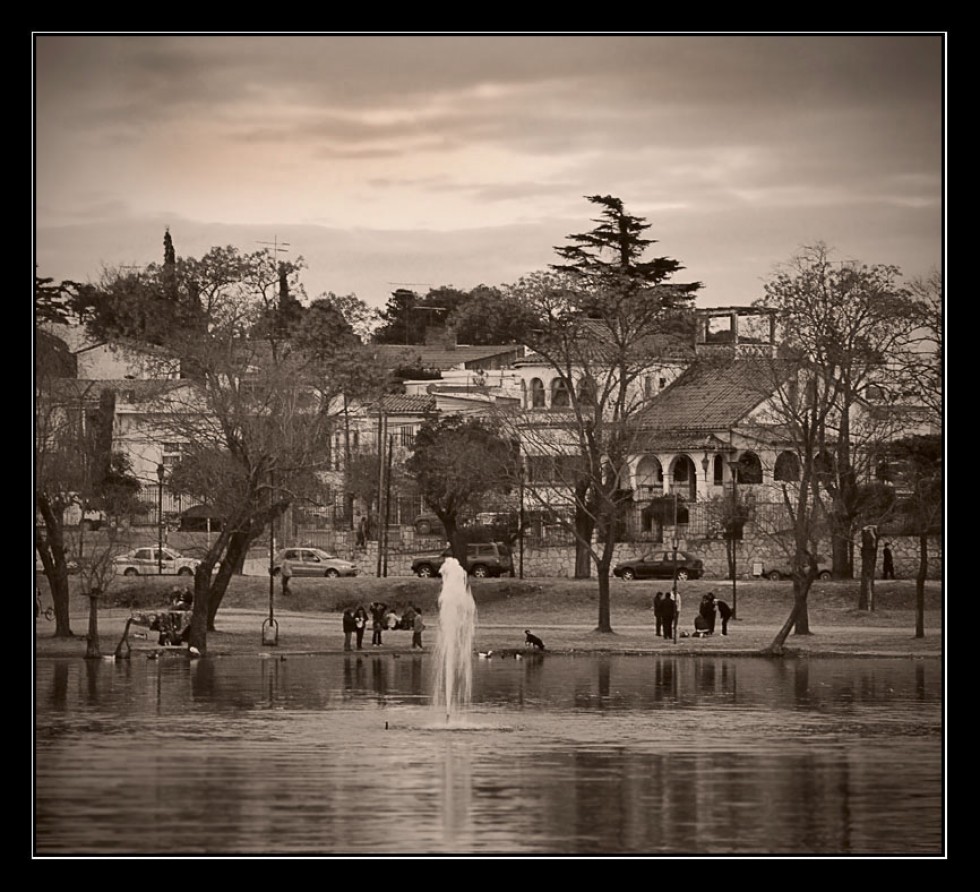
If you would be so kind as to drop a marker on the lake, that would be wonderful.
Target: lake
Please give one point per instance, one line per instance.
(558, 755)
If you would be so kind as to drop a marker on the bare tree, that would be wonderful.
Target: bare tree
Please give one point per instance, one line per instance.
(849, 320)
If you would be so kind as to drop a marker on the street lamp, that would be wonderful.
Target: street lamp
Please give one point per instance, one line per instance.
(160, 472)
(270, 628)
(733, 527)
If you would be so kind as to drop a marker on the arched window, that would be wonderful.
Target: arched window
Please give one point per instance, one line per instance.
(537, 393)
(787, 468)
(559, 395)
(649, 477)
(586, 391)
(719, 472)
(749, 468)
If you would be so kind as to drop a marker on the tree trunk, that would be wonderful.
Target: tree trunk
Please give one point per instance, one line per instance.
(584, 528)
(92, 650)
(52, 553)
(238, 545)
(801, 623)
(801, 589)
(602, 572)
(869, 560)
(920, 588)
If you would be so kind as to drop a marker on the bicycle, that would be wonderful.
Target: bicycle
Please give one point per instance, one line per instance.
(46, 612)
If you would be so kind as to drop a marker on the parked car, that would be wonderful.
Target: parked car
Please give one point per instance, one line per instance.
(313, 562)
(429, 525)
(484, 559)
(776, 572)
(660, 565)
(149, 561)
(39, 567)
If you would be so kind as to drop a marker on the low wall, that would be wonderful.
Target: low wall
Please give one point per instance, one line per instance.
(753, 558)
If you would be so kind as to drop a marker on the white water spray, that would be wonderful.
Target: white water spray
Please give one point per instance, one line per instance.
(453, 682)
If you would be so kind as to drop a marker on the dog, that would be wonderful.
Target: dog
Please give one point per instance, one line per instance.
(532, 641)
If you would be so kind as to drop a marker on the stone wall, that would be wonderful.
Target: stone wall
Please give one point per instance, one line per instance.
(753, 557)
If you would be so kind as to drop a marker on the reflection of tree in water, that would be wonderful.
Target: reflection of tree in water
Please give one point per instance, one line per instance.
(203, 681)
(379, 678)
(59, 685)
(706, 676)
(801, 683)
(603, 673)
(417, 676)
(92, 669)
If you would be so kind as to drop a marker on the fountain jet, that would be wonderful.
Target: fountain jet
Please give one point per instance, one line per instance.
(453, 681)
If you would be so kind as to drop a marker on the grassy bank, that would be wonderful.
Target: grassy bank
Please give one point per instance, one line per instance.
(563, 610)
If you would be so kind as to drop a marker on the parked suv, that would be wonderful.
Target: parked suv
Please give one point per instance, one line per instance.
(484, 559)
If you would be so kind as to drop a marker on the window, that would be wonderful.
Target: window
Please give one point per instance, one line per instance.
(144, 554)
(171, 454)
(559, 394)
(787, 468)
(537, 393)
(407, 436)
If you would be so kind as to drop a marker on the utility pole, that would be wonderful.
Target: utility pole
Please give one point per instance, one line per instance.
(391, 449)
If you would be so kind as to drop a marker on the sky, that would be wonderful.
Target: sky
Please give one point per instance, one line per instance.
(388, 161)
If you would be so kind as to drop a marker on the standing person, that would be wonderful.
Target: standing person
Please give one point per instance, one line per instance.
(378, 612)
(286, 573)
(887, 562)
(360, 624)
(658, 612)
(417, 628)
(668, 610)
(708, 612)
(725, 612)
(349, 627)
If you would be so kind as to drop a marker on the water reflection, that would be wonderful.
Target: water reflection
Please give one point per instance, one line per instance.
(558, 755)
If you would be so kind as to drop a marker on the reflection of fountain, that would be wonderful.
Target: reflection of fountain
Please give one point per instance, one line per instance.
(454, 646)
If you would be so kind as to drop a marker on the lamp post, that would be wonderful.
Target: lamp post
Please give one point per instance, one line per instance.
(160, 472)
(733, 466)
(270, 628)
(677, 603)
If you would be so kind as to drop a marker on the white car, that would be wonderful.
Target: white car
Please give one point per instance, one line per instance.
(150, 561)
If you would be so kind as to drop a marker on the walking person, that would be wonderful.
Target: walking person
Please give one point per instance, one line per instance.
(378, 612)
(286, 573)
(417, 628)
(887, 562)
(658, 612)
(360, 624)
(668, 609)
(349, 627)
(725, 612)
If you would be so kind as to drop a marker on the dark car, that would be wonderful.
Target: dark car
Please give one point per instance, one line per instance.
(775, 572)
(484, 559)
(660, 565)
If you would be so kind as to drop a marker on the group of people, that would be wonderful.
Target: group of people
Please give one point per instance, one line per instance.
(667, 609)
(381, 618)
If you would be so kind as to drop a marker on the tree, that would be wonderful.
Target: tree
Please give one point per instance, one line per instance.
(596, 323)
(921, 509)
(255, 417)
(849, 320)
(457, 462)
(921, 360)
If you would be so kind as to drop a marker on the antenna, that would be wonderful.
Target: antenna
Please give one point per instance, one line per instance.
(427, 284)
(278, 247)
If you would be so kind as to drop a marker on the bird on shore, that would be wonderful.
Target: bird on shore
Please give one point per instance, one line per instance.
(485, 654)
